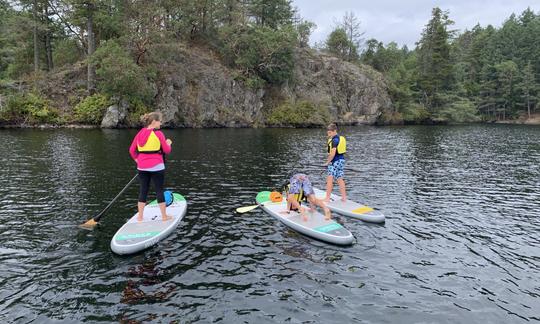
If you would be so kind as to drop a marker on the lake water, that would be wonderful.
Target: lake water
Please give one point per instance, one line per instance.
(461, 242)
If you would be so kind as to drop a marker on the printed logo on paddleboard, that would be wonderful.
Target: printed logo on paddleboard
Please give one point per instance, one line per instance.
(328, 228)
(136, 235)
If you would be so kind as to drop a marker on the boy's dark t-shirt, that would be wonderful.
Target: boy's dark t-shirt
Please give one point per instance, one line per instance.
(335, 142)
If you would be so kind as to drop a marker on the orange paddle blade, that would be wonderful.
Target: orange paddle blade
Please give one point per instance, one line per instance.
(89, 225)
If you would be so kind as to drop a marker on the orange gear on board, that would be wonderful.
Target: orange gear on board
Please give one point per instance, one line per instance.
(276, 196)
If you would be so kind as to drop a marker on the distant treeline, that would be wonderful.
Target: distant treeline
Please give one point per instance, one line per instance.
(485, 73)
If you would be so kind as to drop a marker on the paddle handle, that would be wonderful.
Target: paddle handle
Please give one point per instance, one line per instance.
(98, 216)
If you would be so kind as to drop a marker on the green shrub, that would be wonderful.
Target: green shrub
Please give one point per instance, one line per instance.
(136, 109)
(390, 118)
(459, 111)
(119, 75)
(415, 113)
(260, 51)
(91, 109)
(302, 113)
(29, 108)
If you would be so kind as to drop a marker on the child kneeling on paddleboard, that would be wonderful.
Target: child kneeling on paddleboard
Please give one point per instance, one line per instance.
(148, 149)
(300, 188)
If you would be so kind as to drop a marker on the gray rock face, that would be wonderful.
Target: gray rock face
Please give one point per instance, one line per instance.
(196, 90)
(353, 94)
(115, 115)
(200, 92)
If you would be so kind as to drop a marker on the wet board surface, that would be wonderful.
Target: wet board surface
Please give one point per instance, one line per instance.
(135, 236)
(316, 226)
(351, 208)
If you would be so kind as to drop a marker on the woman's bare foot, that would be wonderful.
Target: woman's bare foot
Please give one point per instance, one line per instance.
(304, 217)
(326, 200)
(140, 218)
(166, 218)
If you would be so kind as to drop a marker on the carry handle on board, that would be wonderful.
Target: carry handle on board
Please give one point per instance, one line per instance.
(92, 222)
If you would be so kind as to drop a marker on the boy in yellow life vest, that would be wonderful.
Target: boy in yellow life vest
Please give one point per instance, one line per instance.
(335, 162)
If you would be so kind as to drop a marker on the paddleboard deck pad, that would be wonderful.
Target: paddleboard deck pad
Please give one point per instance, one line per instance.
(316, 226)
(135, 236)
(351, 208)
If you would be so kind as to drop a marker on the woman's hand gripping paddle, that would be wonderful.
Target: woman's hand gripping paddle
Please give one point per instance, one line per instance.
(92, 222)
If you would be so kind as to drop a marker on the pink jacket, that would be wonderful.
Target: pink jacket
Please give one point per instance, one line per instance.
(146, 161)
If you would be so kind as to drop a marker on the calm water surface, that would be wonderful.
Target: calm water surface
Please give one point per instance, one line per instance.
(461, 243)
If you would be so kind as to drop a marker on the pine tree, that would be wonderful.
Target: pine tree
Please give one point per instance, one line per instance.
(529, 88)
(435, 68)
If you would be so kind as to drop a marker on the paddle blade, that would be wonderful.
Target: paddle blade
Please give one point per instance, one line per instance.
(242, 210)
(89, 224)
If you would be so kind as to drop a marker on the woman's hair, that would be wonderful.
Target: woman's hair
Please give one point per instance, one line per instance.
(148, 118)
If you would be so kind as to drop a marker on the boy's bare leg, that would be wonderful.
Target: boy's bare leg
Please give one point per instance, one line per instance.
(329, 187)
(342, 189)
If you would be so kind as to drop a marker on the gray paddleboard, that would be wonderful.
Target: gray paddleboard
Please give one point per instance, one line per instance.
(136, 236)
(351, 208)
(316, 226)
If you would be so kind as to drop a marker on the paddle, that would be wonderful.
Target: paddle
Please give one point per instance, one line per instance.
(92, 222)
(242, 210)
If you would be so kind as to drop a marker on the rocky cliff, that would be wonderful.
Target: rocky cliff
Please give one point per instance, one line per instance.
(194, 89)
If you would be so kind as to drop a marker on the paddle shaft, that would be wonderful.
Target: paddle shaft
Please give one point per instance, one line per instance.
(98, 216)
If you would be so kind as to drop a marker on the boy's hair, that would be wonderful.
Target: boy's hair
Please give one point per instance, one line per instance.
(332, 127)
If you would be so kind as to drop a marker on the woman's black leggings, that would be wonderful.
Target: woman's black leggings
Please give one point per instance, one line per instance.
(158, 178)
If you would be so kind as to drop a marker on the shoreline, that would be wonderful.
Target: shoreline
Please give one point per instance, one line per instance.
(532, 121)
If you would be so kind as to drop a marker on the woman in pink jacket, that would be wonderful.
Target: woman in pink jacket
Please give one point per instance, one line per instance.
(148, 149)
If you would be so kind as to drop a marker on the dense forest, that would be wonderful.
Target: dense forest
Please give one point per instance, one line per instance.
(485, 73)
(482, 74)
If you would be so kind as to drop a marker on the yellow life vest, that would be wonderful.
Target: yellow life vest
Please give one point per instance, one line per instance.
(299, 197)
(342, 145)
(152, 145)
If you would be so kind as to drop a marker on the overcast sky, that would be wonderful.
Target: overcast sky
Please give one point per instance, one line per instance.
(402, 21)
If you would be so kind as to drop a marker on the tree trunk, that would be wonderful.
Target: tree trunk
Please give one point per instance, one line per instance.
(91, 48)
(529, 107)
(48, 46)
(36, 38)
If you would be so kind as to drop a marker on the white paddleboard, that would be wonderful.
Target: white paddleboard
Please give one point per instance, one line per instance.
(351, 208)
(136, 236)
(316, 226)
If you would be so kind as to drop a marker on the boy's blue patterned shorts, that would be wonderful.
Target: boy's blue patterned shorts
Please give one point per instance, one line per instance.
(335, 169)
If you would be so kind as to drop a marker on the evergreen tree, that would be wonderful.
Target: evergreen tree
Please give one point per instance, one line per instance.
(339, 45)
(529, 88)
(435, 68)
(271, 13)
